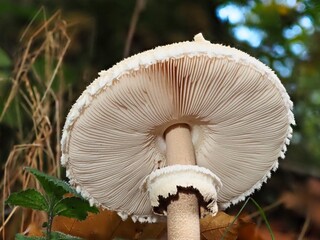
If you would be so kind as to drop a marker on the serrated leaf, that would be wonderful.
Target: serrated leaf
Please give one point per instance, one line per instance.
(74, 207)
(23, 237)
(29, 198)
(53, 236)
(52, 185)
(62, 236)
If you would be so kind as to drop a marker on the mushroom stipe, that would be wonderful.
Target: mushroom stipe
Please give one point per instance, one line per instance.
(209, 111)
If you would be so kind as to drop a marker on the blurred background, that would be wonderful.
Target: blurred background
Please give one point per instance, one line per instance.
(51, 50)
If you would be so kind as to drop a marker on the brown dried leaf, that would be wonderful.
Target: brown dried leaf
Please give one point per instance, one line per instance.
(215, 227)
(278, 234)
(249, 231)
(107, 225)
(294, 200)
(131, 230)
(304, 200)
(33, 230)
(96, 226)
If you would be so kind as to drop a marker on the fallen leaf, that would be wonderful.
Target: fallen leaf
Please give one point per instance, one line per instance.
(279, 235)
(304, 199)
(215, 227)
(108, 225)
(249, 231)
(96, 226)
(33, 230)
(295, 201)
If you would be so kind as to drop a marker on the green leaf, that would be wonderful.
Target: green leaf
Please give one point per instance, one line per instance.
(29, 198)
(4, 59)
(53, 236)
(23, 237)
(52, 185)
(74, 207)
(62, 236)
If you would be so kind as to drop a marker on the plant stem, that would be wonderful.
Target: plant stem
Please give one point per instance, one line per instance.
(50, 219)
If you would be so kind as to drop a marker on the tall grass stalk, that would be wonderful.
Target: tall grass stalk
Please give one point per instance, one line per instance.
(44, 44)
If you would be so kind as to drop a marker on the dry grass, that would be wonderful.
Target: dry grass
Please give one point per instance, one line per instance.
(37, 73)
(44, 43)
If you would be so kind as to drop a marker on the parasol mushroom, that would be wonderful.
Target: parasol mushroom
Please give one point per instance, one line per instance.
(181, 126)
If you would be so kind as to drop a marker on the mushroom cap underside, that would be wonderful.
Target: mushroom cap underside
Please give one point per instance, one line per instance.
(238, 111)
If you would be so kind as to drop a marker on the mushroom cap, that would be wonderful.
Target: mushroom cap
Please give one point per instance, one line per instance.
(238, 111)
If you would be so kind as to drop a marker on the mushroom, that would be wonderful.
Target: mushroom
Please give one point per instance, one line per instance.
(176, 128)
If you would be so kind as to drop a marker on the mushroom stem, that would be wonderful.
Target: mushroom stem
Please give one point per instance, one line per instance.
(182, 214)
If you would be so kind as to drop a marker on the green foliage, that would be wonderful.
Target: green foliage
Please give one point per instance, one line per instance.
(29, 198)
(52, 186)
(23, 237)
(53, 236)
(74, 207)
(289, 34)
(62, 236)
(4, 59)
(53, 202)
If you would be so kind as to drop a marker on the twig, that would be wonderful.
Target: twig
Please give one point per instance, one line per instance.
(50, 40)
(8, 218)
(64, 50)
(305, 227)
(22, 66)
(41, 10)
(134, 20)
